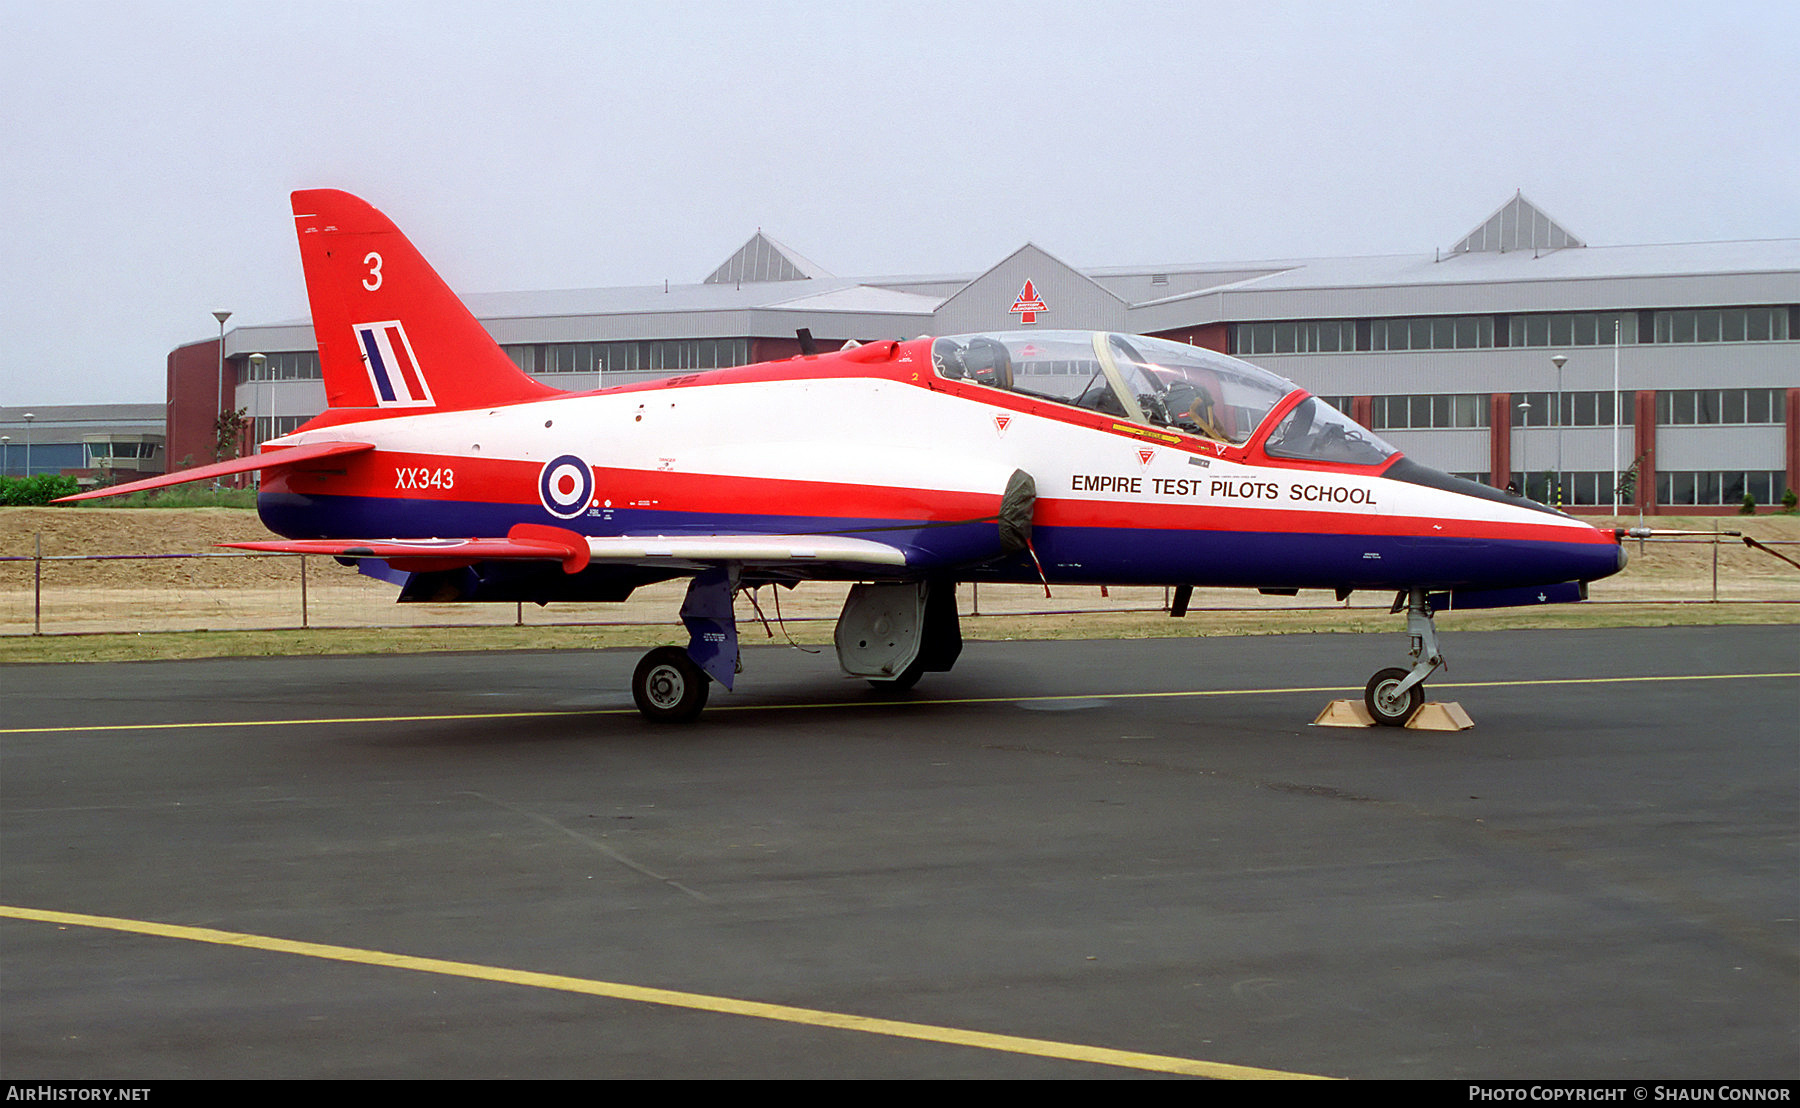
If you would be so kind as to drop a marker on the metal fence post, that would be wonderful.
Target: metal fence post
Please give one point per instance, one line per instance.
(303, 624)
(1715, 553)
(37, 583)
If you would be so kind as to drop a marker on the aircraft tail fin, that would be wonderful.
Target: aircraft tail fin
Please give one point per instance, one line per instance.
(392, 336)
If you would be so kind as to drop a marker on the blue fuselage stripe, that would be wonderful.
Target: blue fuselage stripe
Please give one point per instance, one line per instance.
(1097, 555)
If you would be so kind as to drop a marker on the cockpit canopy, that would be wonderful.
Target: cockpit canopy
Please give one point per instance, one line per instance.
(1161, 384)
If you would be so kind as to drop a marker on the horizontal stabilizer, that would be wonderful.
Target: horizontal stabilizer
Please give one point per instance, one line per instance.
(269, 460)
(525, 542)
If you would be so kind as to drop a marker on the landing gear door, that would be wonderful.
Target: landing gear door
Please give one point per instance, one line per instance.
(881, 630)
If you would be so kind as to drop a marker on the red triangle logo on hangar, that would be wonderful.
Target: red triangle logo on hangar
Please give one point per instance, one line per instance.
(1028, 305)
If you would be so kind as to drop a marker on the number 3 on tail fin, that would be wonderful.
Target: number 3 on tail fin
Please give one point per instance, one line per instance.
(393, 338)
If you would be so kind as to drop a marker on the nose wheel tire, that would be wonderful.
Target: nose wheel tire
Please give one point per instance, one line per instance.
(1390, 707)
(668, 687)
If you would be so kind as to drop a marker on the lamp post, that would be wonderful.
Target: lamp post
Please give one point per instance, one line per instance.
(5, 454)
(219, 393)
(28, 418)
(1525, 447)
(257, 362)
(1559, 360)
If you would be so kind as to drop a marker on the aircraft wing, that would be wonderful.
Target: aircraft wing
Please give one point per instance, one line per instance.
(533, 542)
(271, 460)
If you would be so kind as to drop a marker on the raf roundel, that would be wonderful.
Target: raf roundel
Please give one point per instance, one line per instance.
(565, 486)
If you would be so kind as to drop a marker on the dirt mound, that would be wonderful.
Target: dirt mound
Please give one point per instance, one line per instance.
(71, 532)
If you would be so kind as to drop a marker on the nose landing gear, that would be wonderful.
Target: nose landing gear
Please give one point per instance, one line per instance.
(1393, 695)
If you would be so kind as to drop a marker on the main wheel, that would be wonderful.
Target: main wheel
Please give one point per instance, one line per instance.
(1390, 708)
(668, 687)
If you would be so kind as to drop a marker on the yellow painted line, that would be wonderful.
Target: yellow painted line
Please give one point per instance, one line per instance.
(700, 1002)
(294, 722)
(909, 703)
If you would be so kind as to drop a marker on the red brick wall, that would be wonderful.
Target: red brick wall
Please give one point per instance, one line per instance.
(1500, 439)
(1212, 336)
(193, 392)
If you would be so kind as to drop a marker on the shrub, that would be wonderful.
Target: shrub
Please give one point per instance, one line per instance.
(42, 488)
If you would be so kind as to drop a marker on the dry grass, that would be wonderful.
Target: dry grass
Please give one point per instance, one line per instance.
(249, 605)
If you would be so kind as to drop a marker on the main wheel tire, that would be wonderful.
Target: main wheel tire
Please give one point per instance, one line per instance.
(1388, 709)
(668, 687)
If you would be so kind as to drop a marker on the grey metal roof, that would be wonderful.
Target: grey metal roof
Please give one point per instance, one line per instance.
(764, 259)
(1518, 224)
(62, 415)
(765, 289)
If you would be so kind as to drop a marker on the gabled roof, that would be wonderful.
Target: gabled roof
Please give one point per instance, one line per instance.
(1517, 225)
(763, 259)
(992, 300)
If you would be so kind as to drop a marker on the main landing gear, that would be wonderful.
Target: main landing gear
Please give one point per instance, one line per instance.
(889, 634)
(668, 687)
(1393, 695)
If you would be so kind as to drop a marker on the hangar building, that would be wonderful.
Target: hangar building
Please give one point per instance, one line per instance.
(1448, 355)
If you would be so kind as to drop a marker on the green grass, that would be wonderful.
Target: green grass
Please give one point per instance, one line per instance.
(181, 496)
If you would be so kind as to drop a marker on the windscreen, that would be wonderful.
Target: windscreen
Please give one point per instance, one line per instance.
(1315, 431)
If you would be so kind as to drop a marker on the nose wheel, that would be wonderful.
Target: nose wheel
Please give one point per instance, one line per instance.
(1393, 695)
(1388, 702)
(668, 687)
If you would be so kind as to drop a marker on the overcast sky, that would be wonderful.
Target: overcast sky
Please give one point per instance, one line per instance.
(147, 149)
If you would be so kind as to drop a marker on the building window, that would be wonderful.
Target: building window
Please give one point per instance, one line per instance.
(1464, 332)
(1319, 336)
(267, 427)
(1579, 409)
(293, 365)
(1571, 329)
(1764, 324)
(629, 357)
(1719, 488)
(1690, 407)
(1428, 412)
(1581, 488)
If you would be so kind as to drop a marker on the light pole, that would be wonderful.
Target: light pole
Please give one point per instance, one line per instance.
(219, 393)
(1559, 360)
(28, 418)
(257, 362)
(1525, 448)
(5, 454)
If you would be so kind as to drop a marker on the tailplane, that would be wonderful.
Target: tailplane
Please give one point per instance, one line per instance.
(392, 336)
